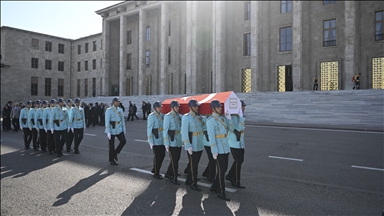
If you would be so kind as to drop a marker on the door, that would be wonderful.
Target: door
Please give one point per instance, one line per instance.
(285, 82)
(329, 77)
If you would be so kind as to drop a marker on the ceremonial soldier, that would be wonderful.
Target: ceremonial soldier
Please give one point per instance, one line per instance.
(32, 124)
(40, 126)
(47, 126)
(59, 121)
(236, 143)
(77, 119)
(210, 170)
(218, 127)
(70, 132)
(115, 127)
(155, 138)
(23, 122)
(172, 140)
(193, 139)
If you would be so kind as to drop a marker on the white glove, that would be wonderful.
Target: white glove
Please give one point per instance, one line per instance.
(52, 130)
(21, 128)
(68, 130)
(125, 131)
(109, 136)
(45, 130)
(73, 131)
(190, 151)
(215, 155)
(85, 127)
(30, 128)
(228, 116)
(167, 148)
(151, 145)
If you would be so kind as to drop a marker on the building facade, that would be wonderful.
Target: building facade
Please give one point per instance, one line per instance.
(186, 47)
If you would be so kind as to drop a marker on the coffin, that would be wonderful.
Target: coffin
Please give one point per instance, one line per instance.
(229, 101)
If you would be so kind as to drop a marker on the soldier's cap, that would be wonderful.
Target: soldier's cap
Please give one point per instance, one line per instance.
(174, 103)
(193, 103)
(243, 103)
(52, 101)
(77, 100)
(215, 104)
(28, 102)
(69, 100)
(60, 100)
(115, 99)
(37, 102)
(156, 104)
(44, 102)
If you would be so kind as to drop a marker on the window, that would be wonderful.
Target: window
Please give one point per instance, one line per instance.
(129, 60)
(285, 6)
(86, 87)
(147, 59)
(86, 47)
(379, 22)
(169, 28)
(35, 43)
(101, 63)
(60, 66)
(86, 65)
(61, 48)
(129, 37)
(78, 66)
(247, 11)
(169, 55)
(329, 2)
(94, 46)
(47, 86)
(48, 64)
(60, 87)
(148, 33)
(78, 88)
(94, 64)
(48, 46)
(34, 85)
(35, 63)
(247, 44)
(285, 39)
(329, 33)
(79, 49)
(101, 44)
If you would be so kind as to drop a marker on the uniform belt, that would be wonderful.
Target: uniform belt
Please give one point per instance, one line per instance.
(61, 120)
(177, 132)
(160, 129)
(197, 133)
(221, 136)
(116, 122)
(78, 119)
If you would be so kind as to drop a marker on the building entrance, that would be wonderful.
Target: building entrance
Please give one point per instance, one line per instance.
(378, 73)
(329, 77)
(285, 82)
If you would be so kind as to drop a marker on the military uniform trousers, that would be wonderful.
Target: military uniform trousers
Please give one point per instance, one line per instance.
(210, 170)
(35, 138)
(79, 134)
(222, 166)
(69, 140)
(112, 151)
(27, 137)
(238, 158)
(43, 140)
(51, 141)
(193, 165)
(159, 154)
(60, 138)
(174, 156)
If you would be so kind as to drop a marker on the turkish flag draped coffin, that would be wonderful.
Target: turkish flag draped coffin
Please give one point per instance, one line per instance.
(229, 101)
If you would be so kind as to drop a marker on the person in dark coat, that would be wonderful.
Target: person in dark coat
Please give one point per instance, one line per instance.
(130, 112)
(6, 117)
(149, 108)
(94, 114)
(135, 111)
(144, 109)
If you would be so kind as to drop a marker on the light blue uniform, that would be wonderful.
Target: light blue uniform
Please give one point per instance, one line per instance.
(46, 116)
(24, 115)
(57, 113)
(68, 109)
(239, 125)
(192, 123)
(218, 127)
(115, 114)
(31, 115)
(206, 142)
(39, 115)
(155, 120)
(172, 121)
(77, 117)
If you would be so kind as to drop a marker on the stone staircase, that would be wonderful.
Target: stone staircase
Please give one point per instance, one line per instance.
(343, 109)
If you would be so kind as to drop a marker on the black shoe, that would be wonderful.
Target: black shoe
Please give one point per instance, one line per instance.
(212, 189)
(205, 175)
(26, 148)
(238, 186)
(198, 179)
(59, 155)
(113, 163)
(223, 197)
(174, 181)
(36, 149)
(187, 182)
(158, 176)
(227, 178)
(77, 152)
(44, 151)
(186, 171)
(51, 152)
(178, 174)
(194, 187)
(168, 176)
(153, 170)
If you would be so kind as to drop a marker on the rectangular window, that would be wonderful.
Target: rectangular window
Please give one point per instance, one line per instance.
(247, 11)
(35, 43)
(169, 28)
(379, 22)
(94, 64)
(35, 63)
(129, 60)
(129, 37)
(60, 87)
(329, 27)
(285, 39)
(329, 2)
(247, 44)
(147, 59)
(78, 88)
(48, 64)
(47, 86)
(48, 46)
(169, 55)
(86, 87)
(285, 6)
(94, 46)
(78, 66)
(148, 33)
(79, 49)
(101, 63)
(61, 66)
(86, 47)
(86, 65)
(34, 85)
(61, 48)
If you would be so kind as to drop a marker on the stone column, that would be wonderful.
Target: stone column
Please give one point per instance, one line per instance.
(122, 52)
(105, 73)
(350, 68)
(254, 45)
(297, 46)
(142, 23)
(163, 48)
(218, 39)
(191, 48)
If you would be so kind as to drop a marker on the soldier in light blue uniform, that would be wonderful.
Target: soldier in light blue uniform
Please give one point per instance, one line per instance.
(218, 127)
(172, 140)
(23, 121)
(115, 127)
(47, 126)
(236, 143)
(193, 139)
(70, 132)
(40, 126)
(59, 121)
(77, 119)
(155, 138)
(210, 170)
(32, 125)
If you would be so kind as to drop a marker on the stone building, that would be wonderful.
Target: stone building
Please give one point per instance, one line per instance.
(192, 47)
